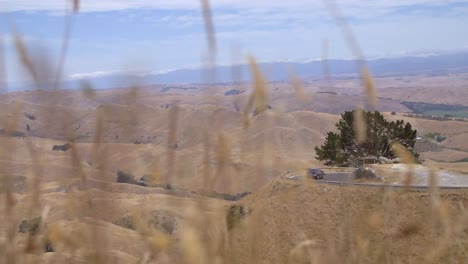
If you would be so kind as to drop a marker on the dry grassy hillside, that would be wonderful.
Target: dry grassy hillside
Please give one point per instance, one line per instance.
(452, 152)
(449, 128)
(203, 144)
(295, 222)
(458, 141)
(448, 89)
(119, 226)
(137, 134)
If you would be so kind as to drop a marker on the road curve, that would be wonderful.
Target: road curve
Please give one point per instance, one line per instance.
(345, 178)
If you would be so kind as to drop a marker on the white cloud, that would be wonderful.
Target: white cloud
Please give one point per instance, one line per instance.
(363, 6)
(89, 75)
(96, 74)
(134, 73)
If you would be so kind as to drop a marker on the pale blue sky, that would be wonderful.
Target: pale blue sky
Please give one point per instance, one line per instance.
(152, 36)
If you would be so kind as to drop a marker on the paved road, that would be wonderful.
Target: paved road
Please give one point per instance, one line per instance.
(345, 178)
(338, 176)
(331, 176)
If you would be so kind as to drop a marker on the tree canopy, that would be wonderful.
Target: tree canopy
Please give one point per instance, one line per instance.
(342, 148)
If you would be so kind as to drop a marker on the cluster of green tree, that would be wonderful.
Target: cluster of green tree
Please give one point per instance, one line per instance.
(421, 108)
(225, 196)
(342, 148)
(125, 177)
(436, 136)
(438, 117)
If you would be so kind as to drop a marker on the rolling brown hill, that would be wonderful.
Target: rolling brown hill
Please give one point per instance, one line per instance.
(201, 143)
(296, 222)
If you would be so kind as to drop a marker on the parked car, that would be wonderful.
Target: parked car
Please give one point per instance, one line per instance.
(316, 174)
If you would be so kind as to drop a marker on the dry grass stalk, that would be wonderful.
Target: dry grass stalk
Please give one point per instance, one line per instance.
(351, 41)
(408, 158)
(171, 144)
(259, 96)
(298, 87)
(359, 126)
(204, 237)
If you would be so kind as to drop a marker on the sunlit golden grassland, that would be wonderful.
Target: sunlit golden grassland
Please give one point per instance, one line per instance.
(66, 207)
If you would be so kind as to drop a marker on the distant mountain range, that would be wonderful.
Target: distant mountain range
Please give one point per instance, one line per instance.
(280, 71)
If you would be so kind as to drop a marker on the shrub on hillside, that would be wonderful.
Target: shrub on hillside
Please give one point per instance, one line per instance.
(14, 133)
(233, 92)
(30, 226)
(47, 245)
(161, 220)
(125, 222)
(63, 147)
(29, 116)
(123, 177)
(234, 215)
(224, 196)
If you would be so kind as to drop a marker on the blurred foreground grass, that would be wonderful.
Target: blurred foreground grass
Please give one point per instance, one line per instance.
(98, 221)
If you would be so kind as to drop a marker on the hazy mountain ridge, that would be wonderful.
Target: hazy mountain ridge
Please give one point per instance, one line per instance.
(274, 72)
(280, 71)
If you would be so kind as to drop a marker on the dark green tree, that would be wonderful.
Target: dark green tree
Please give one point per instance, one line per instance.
(342, 148)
